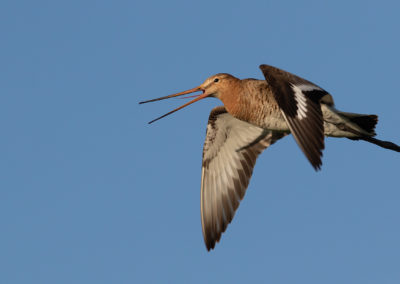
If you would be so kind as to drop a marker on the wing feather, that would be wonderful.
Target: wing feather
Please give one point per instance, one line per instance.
(229, 155)
(300, 103)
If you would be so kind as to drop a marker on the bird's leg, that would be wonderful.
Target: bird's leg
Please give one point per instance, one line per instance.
(384, 144)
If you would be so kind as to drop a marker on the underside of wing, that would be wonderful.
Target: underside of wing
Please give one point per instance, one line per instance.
(300, 102)
(229, 155)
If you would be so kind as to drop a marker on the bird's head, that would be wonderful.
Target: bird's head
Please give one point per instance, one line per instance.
(217, 86)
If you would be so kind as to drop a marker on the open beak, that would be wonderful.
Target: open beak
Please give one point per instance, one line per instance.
(198, 97)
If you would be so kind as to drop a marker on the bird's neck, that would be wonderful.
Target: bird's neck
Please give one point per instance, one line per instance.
(238, 101)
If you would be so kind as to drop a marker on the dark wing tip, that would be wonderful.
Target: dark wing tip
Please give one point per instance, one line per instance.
(310, 138)
(210, 239)
(210, 245)
(317, 164)
(267, 68)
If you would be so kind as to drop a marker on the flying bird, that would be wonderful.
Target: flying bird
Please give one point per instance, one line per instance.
(257, 113)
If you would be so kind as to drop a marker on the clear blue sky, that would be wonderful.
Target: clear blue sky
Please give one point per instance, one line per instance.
(89, 193)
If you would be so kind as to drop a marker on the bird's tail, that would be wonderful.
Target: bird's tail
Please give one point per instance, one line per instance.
(366, 122)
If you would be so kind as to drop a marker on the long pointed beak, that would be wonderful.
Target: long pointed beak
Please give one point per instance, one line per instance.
(174, 95)
(199, 97)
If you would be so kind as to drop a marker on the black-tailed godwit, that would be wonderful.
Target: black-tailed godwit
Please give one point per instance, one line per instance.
(257, 113)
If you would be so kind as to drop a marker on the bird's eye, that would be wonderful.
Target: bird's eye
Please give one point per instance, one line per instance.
(216, 80)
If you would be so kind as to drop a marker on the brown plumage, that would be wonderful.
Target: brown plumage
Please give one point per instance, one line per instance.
(255, 115)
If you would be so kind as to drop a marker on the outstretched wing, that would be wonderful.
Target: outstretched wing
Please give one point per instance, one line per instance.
(229, 155)
(300, 102)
